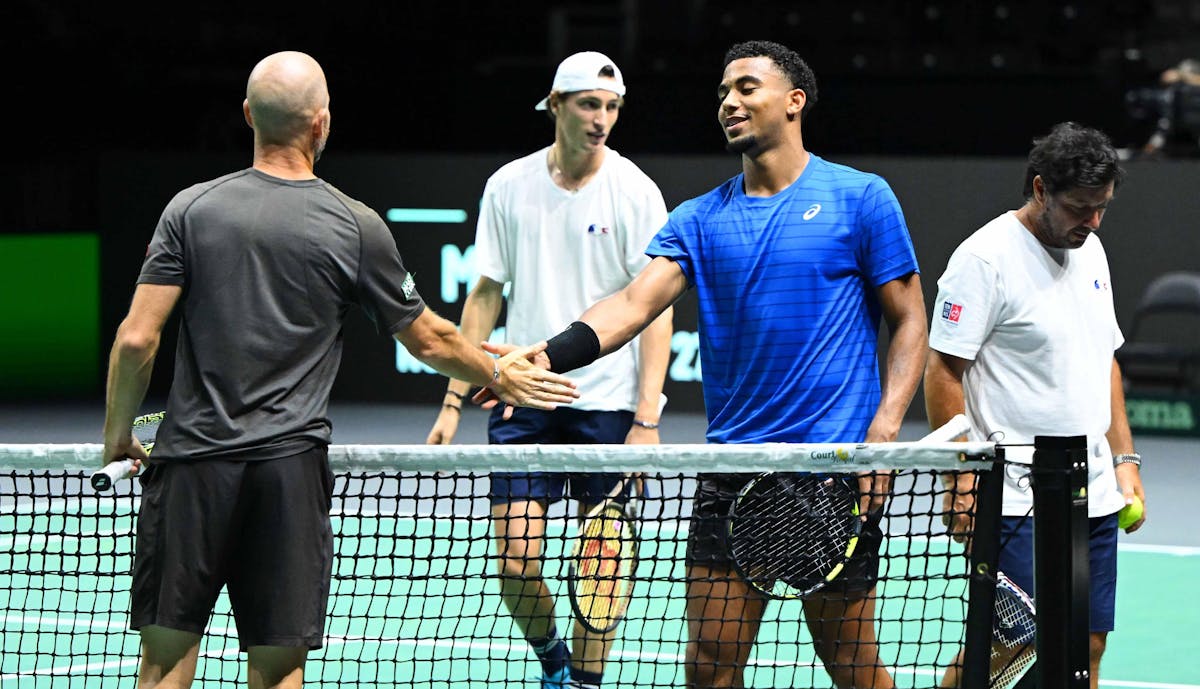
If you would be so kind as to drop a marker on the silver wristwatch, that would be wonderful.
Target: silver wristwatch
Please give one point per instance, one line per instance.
(1128, 458)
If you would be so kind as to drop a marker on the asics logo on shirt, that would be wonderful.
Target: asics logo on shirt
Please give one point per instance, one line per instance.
(812, 211)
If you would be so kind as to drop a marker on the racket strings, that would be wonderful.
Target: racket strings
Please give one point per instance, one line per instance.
(792, 531)
(1012, 670)
(603, 576)
(602, 545)
(1014, 627)
(780, 525)
(145, 429)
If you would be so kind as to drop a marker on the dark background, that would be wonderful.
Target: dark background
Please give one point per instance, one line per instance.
(935, 77)
(1147, 231)
(116, 110)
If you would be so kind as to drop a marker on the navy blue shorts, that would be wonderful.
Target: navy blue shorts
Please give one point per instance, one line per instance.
(556, 427)
(1016, 560)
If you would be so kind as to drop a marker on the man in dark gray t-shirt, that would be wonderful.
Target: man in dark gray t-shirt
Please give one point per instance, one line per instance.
(265, 264)
(276, 263)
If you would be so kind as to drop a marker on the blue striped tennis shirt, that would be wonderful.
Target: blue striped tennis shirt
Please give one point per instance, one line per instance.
(789, 315)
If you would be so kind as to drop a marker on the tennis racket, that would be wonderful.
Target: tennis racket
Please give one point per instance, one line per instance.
(1013, 631)
(791, 534)
(145, 429)
(600, 571)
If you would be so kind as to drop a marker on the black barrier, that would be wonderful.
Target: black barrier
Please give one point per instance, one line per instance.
(985, 551)
(1060, 560)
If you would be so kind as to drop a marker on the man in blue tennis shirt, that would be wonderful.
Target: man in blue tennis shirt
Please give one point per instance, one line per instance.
(793, 261)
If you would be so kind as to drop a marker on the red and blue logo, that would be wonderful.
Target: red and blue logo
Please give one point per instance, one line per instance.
(951, 312)
(597, 229)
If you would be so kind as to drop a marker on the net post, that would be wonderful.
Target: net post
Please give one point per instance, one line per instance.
(981, 597)
(1060, 560)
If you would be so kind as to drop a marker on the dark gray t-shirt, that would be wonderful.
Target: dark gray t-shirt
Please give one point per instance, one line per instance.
(269, 268)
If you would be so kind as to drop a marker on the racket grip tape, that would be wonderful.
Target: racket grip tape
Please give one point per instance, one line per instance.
(112, 472)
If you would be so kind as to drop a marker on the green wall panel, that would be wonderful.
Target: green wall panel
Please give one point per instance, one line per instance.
(49, 314)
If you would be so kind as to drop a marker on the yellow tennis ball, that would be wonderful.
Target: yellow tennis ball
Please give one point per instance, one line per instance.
(1131, 513)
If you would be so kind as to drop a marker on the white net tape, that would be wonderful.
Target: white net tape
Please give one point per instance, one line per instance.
(827, 457)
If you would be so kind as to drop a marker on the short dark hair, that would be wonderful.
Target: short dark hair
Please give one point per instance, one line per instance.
(1072, 156)
(787, 60)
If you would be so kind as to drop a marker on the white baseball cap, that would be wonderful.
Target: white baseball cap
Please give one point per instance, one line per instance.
(581, 72)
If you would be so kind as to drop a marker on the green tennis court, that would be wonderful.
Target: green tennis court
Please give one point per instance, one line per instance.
(413, 605)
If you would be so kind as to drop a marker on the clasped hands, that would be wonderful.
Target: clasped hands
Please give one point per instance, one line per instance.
(525, 380)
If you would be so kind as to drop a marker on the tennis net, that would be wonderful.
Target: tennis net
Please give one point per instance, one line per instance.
(415, 595)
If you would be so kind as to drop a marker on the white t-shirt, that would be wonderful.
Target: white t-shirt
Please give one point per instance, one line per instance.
(563, 251)
(1040, 327)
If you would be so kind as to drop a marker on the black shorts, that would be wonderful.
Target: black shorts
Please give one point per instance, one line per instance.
(261, 528)
(708, 534)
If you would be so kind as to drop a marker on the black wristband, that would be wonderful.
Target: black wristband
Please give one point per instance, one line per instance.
(573, 348)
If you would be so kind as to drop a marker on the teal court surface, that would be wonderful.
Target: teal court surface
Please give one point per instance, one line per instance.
(415, 605)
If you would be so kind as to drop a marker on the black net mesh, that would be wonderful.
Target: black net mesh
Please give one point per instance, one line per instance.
(416, 588)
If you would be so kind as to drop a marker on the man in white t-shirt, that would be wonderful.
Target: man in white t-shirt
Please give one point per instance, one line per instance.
(565, 227)
(1022, 340)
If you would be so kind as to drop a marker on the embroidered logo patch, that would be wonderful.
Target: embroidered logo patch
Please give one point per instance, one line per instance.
(951, 311)
(408, 286)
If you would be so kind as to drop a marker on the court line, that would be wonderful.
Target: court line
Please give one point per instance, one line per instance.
(656, 658)
(338, 639)
(112, 664)
(75, 623)
(59, 622)
(1179, 550)
(454, 644)
(678, 527)
(681, 528)
(69, 669)
(29, 539)
(128, 662)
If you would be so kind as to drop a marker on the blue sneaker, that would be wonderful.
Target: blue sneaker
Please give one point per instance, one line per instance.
(558, 680)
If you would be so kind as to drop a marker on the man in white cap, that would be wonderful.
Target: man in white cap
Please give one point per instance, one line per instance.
(565, 226)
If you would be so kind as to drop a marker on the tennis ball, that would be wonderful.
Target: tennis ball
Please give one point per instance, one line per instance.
(1131, 513)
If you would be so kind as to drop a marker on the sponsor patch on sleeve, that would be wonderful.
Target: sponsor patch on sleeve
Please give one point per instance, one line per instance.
(951, 312)
(408, 286)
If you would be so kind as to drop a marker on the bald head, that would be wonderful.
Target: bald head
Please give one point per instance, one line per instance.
(284, 97)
